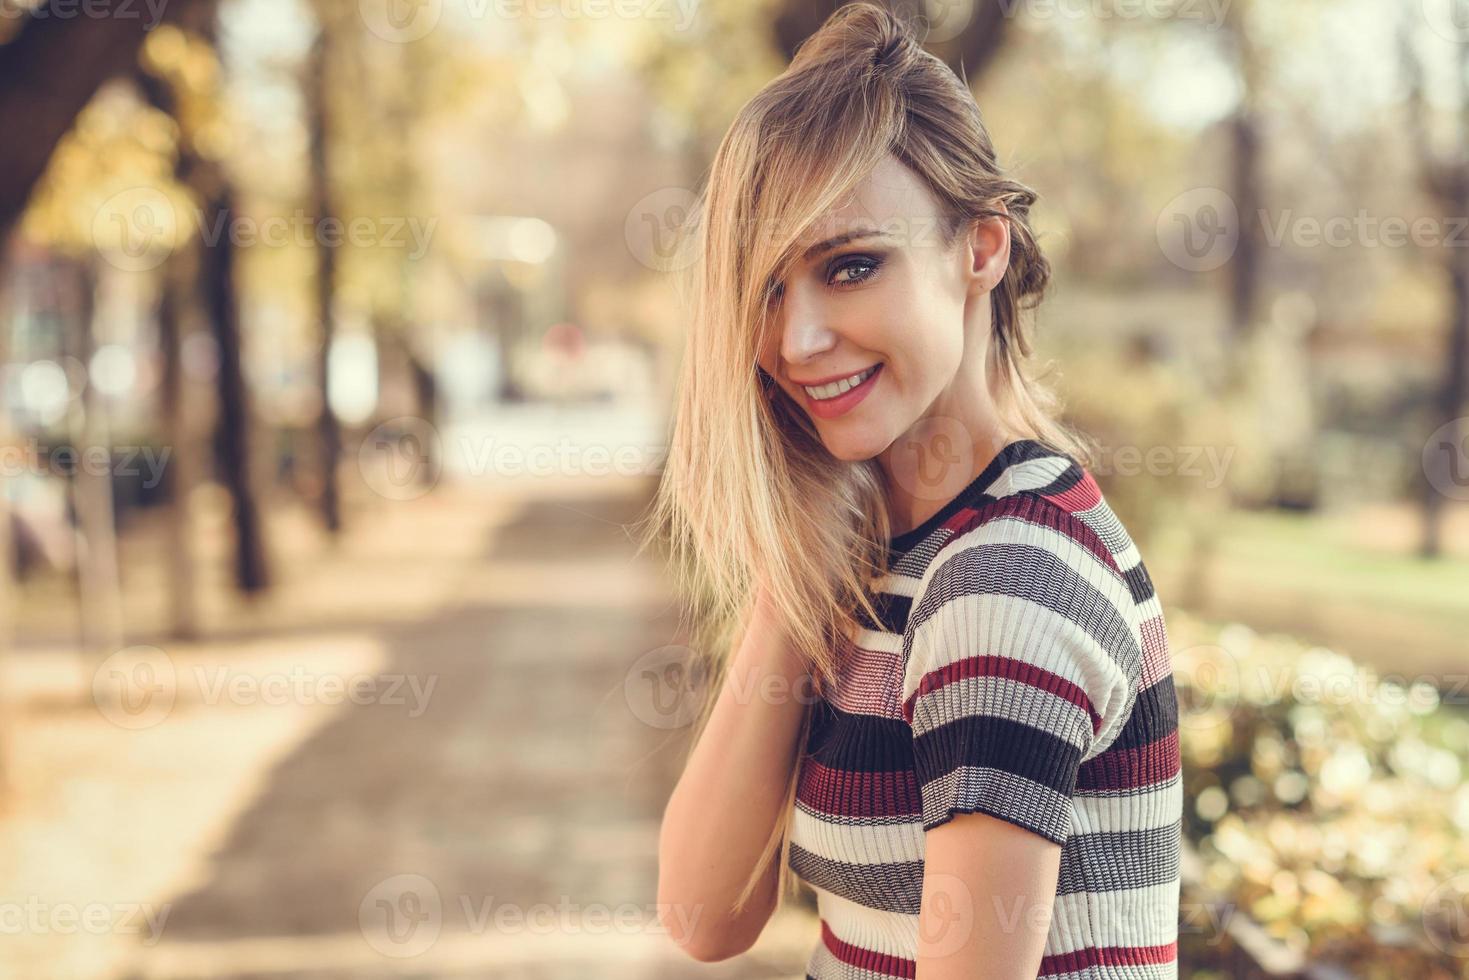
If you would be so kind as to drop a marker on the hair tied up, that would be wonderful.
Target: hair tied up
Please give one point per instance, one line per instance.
(886, 55)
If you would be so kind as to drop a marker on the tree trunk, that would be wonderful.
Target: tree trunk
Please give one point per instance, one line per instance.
(215, 278)
(328, 432)
(1447, 459)
(1446, 179)
(234, 428)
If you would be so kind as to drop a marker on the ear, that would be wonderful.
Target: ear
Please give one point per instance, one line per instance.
(987, 252)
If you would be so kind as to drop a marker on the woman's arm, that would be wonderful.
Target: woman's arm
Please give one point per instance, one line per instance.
(728, 800)
(988, 891)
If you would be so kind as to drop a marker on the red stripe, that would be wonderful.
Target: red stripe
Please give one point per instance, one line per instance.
(1091, 956)
(1057, 963)
(1119, 769)
(988, 665)
(1083, 496)
(866, 959)
(842, 793)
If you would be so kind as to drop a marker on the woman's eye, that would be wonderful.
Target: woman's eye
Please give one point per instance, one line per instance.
(855, 270)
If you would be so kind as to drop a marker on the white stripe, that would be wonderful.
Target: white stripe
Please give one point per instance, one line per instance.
(879, 641)
(1136, 971)
(1103, 520)
(892, 933)
(866, 844)
(896, 583)
(1008, 626)
(1029, 475)
(1144, 809)
(1146, 916)
(1004, 697)
(1015, 530)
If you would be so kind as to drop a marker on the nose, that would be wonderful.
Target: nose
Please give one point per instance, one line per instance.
(804, 333)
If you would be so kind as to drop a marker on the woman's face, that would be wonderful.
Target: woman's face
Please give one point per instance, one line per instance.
(877, 327)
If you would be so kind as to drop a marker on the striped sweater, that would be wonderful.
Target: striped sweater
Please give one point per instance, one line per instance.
(1020, 669)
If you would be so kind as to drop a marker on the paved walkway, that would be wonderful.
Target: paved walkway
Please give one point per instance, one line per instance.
(489, 809)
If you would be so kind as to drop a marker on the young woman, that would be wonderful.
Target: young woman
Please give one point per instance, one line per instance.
(944, 696)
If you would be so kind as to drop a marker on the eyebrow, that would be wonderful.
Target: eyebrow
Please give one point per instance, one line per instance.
(842, 239)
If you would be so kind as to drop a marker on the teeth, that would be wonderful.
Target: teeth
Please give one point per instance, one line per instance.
(823, 392)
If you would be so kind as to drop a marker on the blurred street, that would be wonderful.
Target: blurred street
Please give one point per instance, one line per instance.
(509, 769)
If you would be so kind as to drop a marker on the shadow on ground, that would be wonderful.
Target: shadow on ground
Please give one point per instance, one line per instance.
(525, 780)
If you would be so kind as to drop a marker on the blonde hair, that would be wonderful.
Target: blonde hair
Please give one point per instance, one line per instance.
(748, 494)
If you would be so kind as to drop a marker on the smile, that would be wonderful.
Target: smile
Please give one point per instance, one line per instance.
(824, 392)
(839, 397)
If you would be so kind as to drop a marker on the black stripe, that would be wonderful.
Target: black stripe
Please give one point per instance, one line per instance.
(858, 742)
(1126, 859)
(896, 886)
(1020, 451)
(997, 743)
(1140, 583)
(893, 611)
(1154, 716)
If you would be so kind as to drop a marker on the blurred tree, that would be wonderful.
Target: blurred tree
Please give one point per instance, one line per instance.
(182, 79)
(1244, 127)
(50, 67)
(1445, 176)
(316, 85)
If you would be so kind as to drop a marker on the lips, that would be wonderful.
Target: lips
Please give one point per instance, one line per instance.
(830, 408)
(837, 384)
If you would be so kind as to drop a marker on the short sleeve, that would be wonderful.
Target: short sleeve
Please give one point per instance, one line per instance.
(1022, 656)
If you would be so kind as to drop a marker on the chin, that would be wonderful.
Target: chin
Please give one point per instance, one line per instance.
(855, 448)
